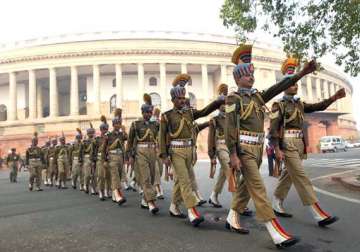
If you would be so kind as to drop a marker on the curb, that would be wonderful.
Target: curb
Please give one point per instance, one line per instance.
(351, 184)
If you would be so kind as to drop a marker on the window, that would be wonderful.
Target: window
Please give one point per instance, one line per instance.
(3, 112)
(114, 83)
(192, 100)
(152, 81)
(156, 99)
(112, 103)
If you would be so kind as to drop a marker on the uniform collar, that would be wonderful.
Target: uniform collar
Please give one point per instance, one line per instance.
(291, 98)
(246, 91)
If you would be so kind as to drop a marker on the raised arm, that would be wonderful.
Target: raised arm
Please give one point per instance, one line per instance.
(208, 109)
(320, 106)
(162, 137)
(284, 84)
(211, 140)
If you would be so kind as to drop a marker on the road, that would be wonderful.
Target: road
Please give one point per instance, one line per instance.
(69, 220)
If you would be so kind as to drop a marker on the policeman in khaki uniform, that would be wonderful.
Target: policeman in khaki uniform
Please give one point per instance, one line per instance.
(217, 148)
(159, 165)
(89, 159)
(287, 136)
(197, 128)
(12, 162)
(244, 136)
(141, 148)
(44, 172)
(115, 149)
(52, 162)
(63, 162)
(176, 147)
(102, 165)
(35, 161)
(76, 157)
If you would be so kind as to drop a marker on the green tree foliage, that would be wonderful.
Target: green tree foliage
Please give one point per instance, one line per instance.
(307, 28)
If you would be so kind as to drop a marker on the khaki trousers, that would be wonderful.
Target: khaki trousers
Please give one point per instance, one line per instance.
(252, 185)
(77, 171)
(294, 174)
(63, 167)
(102, 171)
(145, 162)
(224, 159)
(116, 165)
(158, 171)
(89, 178)
(35, 167)
(52, 169)
(13, 170)
(182, 159)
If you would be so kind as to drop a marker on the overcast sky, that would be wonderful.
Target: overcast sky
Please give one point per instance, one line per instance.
(24, 19)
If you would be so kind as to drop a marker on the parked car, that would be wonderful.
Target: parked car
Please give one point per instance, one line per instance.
(332, 143)
(356, 145)
(349, 145)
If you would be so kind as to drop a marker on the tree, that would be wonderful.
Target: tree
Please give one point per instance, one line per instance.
(306, 28)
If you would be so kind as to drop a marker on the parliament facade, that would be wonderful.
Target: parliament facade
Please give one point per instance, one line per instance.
(56, 84)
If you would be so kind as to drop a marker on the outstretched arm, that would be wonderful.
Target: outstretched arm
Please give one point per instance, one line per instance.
(320, 106)
(287, 82)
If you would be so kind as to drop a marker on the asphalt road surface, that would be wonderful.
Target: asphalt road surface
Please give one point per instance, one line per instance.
(68, 220)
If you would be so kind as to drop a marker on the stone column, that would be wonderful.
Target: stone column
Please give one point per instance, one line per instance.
(183, 68)
(300, 92)
(332, 91)
(119, 85)
(140, 83)
(32, 94)
(163, 91)
(39, 106)
(318, 90)
(12, 109)
(96, 89)
(205, 84)
(223, 74)
(74, 92)
(53, 93)
(309, 89)
(326, 89)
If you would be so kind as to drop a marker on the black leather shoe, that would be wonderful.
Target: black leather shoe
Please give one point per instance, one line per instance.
(39, 189)
(30, 188)
(201, 202)
(102, 199)
(247, 212)
(160, 197)
(196, 222)
(214, 204)
(154, 210)
(74, 187)
(144, 206)
(288, 243)
(328, 221)
(180, 216)
(285, 215)
(122, 201)
(236, 230)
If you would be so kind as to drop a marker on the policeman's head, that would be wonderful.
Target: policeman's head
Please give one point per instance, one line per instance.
(34, 140)
(292, 90)
(13, 150)
(222, 108)
(62, 140)
(54, 141)
(245, 79)
(179, 102)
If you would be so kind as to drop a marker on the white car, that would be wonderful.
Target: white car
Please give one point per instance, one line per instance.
(356, 145)
(349, 145)
(332, 143)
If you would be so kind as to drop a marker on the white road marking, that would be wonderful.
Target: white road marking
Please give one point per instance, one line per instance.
(338, 196)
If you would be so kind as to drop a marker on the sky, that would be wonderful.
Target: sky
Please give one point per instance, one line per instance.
(25, 19)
